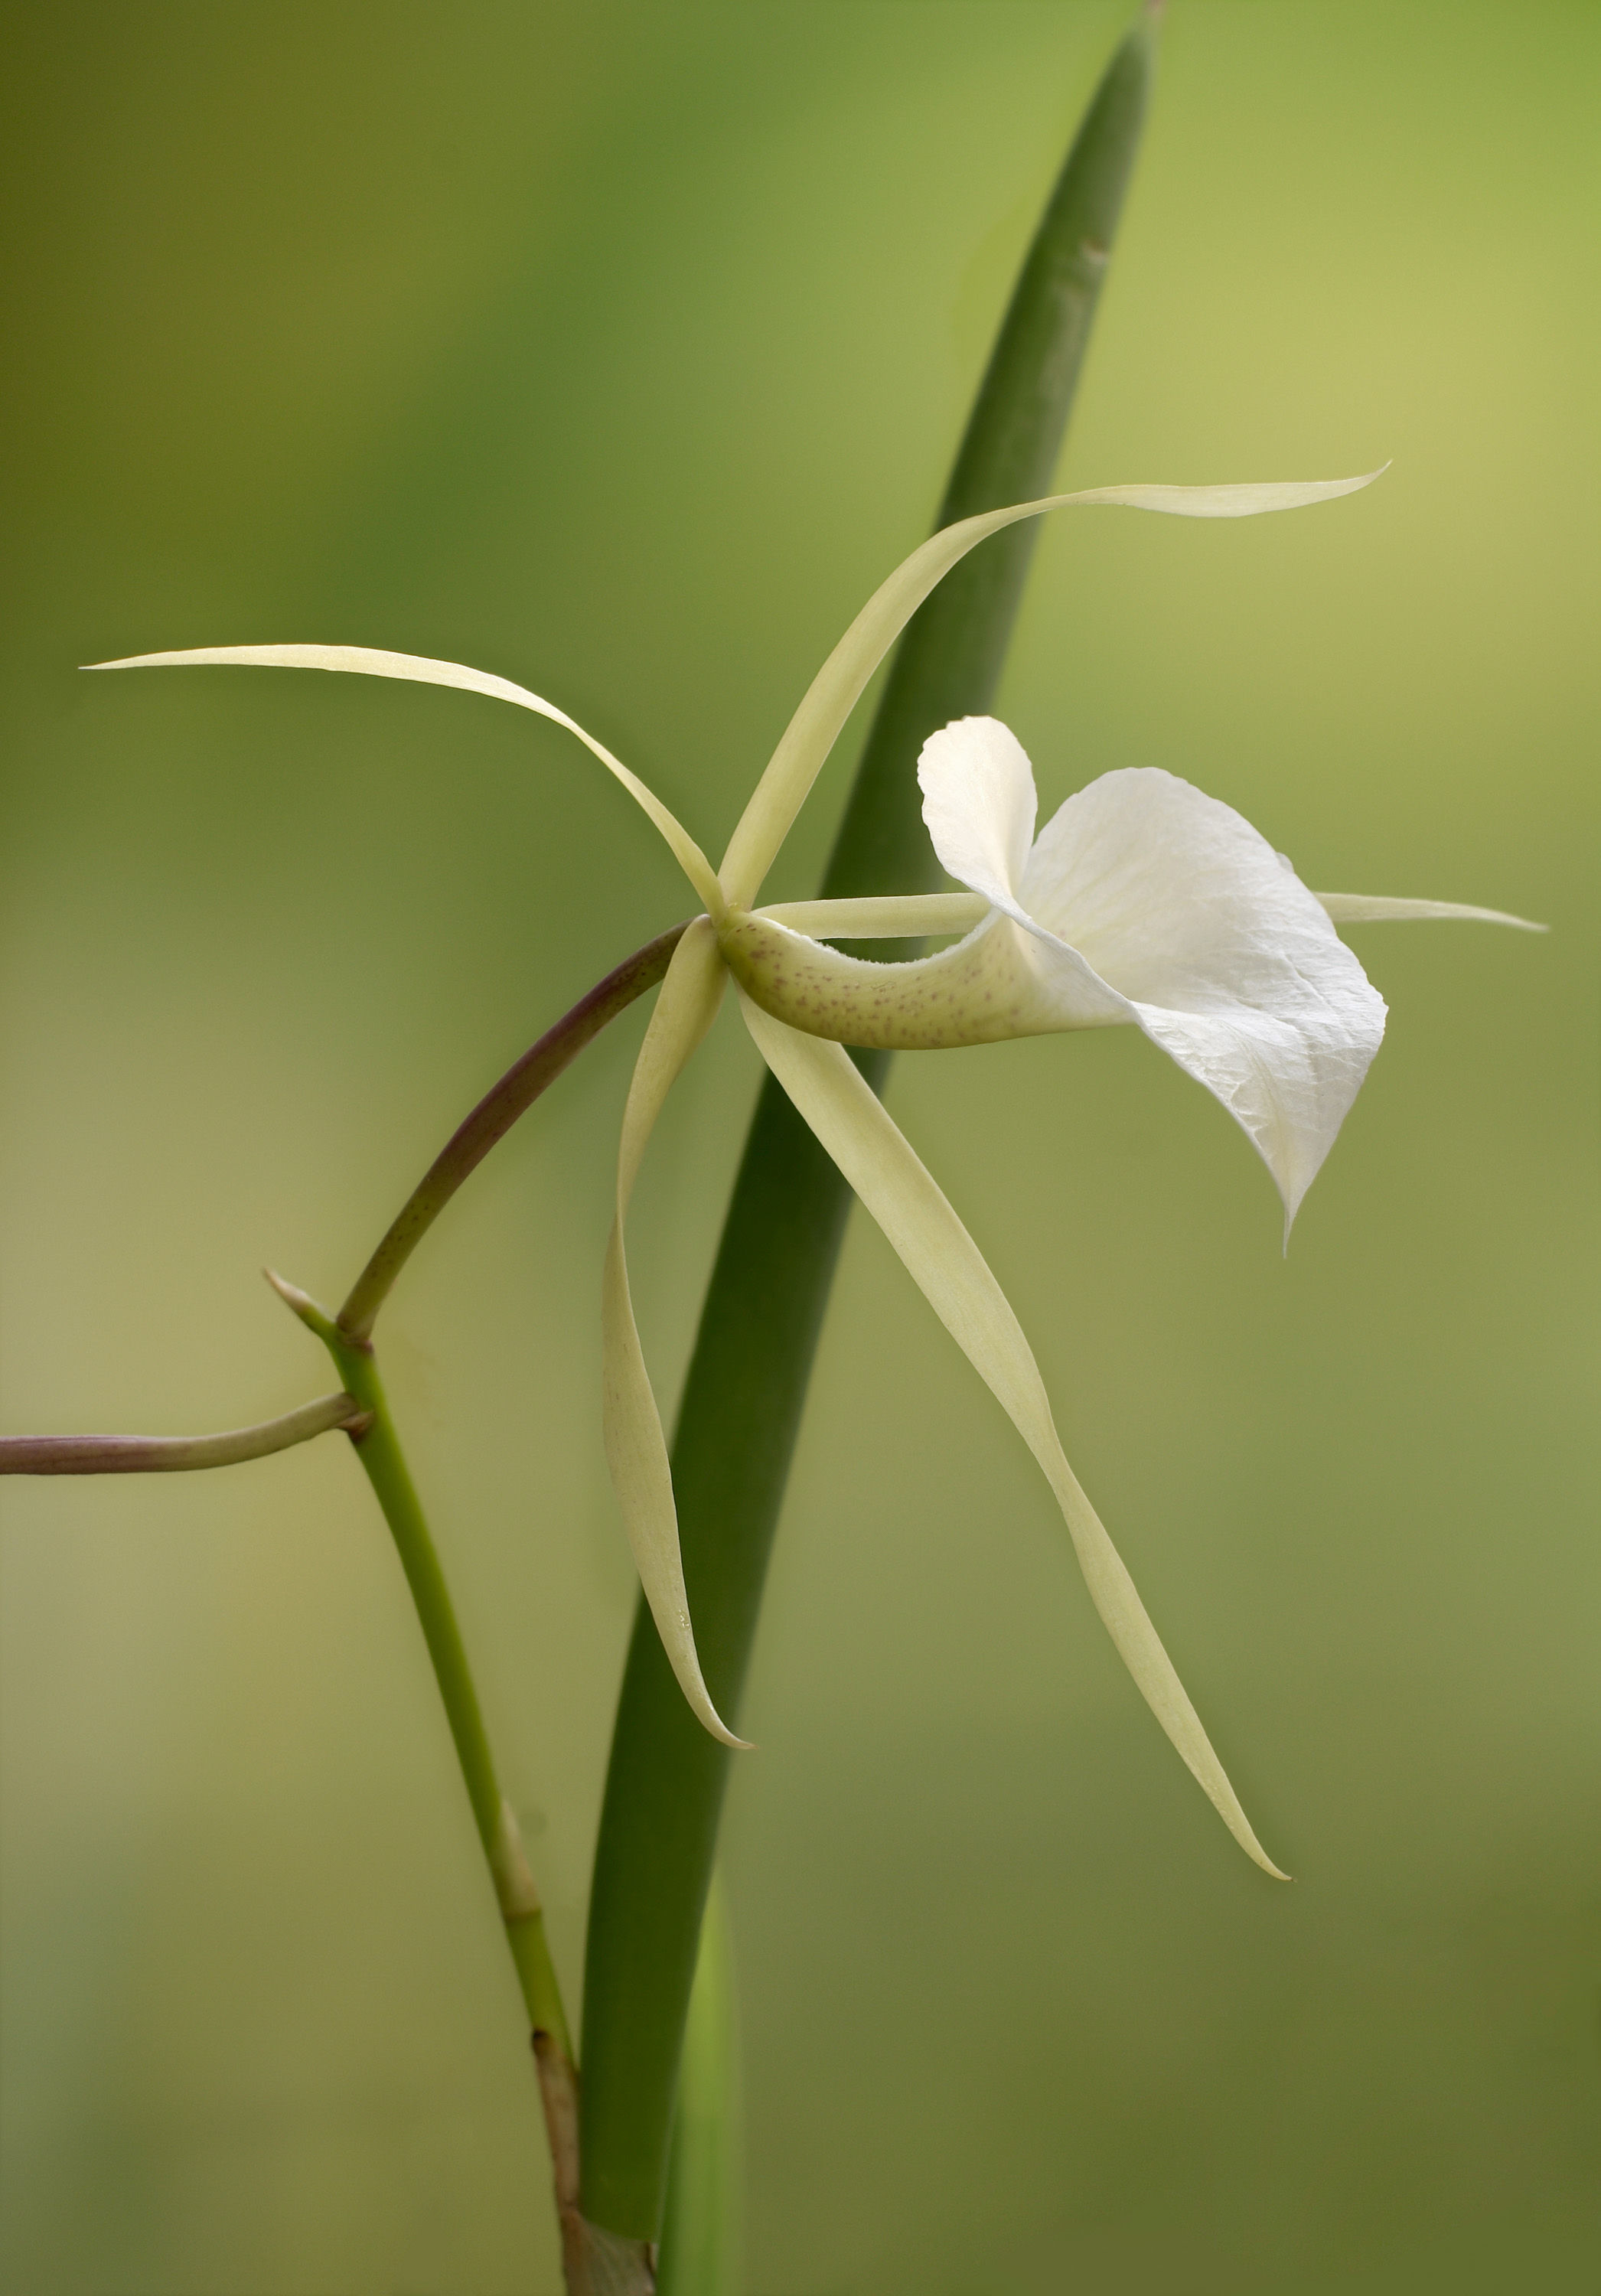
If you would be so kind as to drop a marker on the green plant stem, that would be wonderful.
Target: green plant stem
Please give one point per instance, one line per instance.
(378, 1448)
(764, 1306)
(494, 1117)
(144, 1454)
(593, 2262)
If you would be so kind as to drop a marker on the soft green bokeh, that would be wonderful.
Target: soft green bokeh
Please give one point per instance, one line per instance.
(621, 351)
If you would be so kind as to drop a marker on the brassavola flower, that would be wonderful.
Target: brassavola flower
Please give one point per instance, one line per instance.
(1142, 902)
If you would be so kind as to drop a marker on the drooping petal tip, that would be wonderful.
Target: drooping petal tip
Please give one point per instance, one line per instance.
(631, 1424)
(947, 1267)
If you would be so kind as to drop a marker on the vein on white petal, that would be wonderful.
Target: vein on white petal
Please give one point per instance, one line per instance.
(1378, 908)
(635, 1446)
(420, 669)
(888, 918)
(953, 1277)
(833, 693)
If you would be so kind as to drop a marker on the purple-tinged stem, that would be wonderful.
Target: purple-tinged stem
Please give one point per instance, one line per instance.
(493, 1119)
(135, 1455)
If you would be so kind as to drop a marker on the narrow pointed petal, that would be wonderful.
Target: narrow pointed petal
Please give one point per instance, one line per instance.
(906, 916)
(419, 669)
(833, 693)
(1377, 909)
(1226, 960)
(980, 804)
(953, 1277)
(636, 1447)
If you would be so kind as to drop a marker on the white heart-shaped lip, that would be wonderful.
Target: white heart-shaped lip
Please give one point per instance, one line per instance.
(1172, 902)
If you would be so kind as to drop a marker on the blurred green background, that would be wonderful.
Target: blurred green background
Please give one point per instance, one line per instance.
(623, 350)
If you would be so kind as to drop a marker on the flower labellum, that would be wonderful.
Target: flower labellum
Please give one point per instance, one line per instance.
(1141, 901)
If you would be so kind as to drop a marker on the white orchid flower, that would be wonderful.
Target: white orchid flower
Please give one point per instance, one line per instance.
(1141, 901)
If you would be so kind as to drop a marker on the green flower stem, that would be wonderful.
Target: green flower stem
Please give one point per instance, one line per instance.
(143, 1455)
(493, 1119)
(378, 1448)
(764, 1307)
